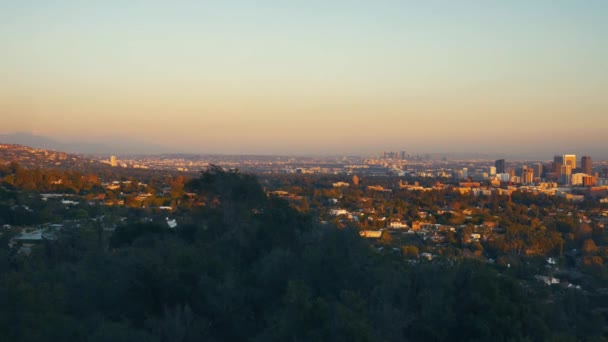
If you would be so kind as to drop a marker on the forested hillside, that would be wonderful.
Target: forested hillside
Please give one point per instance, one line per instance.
(245, 266)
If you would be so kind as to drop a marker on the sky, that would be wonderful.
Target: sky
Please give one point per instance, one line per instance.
(310, 77)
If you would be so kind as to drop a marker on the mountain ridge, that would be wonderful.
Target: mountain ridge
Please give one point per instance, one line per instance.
(113, 145)
(31, 158)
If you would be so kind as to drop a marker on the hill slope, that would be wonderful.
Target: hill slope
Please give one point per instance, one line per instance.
(41, 158)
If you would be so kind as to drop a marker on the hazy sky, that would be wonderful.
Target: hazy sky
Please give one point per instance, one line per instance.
(309, 76)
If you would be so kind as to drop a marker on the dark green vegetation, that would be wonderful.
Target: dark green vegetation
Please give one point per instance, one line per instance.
(245, 266)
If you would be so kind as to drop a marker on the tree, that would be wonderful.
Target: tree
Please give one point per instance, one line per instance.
(386, 237)
(464, 235)
(589, 247)
(410, 251)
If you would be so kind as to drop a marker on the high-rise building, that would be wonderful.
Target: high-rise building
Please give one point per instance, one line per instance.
(558, 161)
(586, 164)
(528, 176)
(113, 162)
(500, 165)
(565, 174)
(564, 160)
(570, 159)
(492, 170)
(548, 171)
(538, 170)
(521, 170)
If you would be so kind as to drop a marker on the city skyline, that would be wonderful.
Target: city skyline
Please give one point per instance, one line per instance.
(314, 78)
(116, 146)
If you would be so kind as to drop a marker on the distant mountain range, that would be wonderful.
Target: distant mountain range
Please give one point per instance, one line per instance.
(113, 145)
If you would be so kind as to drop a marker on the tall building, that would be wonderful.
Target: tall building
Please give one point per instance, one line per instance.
(538, 170)
(558, 161)
(548, 171)
(113, 162)
(586, 164)
(564, 160)
(570, 159)
(521, 170)
(527, 176)
(565, 174)
(500, 165)
(492, 170)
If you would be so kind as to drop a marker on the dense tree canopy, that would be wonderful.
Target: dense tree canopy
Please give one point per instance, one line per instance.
(244, 266)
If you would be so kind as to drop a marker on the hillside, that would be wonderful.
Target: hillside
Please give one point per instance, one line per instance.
(41, 158)
(243, 266)
(106, 145)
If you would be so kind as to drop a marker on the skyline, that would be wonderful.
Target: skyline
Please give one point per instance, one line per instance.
(115, 146)
(310, 78)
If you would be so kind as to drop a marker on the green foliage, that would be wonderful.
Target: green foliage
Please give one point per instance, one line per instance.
(126, 235)
(247, 267)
